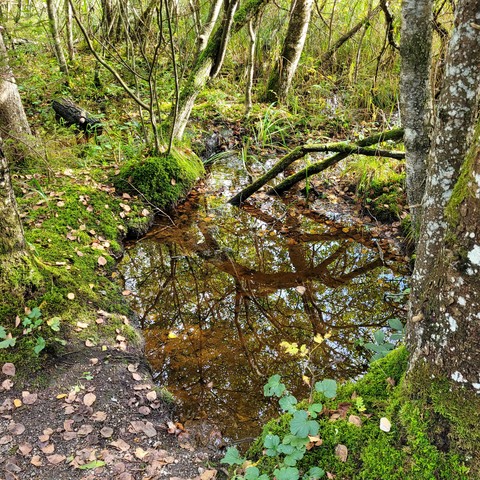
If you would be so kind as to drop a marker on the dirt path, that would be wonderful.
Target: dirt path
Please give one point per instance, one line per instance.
(97, 416)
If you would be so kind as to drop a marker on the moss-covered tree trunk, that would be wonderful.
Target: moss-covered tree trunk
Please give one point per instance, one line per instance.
(443, 333)
(282, 75)
(11, 231)
(13, 121)
(415, 49)
(208, 63)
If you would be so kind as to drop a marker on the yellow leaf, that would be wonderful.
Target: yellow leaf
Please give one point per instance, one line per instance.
(17, 402)
(318, 338)
(172, 335)
(306, 380)
(61, 395)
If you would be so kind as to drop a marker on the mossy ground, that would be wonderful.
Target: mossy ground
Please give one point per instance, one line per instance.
(415, 447)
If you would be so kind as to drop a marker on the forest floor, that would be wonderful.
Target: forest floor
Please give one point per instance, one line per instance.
(98, 417)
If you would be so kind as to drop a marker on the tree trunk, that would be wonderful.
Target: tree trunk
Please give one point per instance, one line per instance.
(444, 328)
(282, 75)
(204, 67)
(207, 29)
(13, 121)
(250, 68)
(53, 22)
(11, 231)
(415, 99)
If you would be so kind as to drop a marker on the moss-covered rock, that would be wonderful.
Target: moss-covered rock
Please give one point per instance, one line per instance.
(162, 180)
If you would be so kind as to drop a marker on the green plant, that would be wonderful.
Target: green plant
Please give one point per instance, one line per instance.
(32, 326)
(385, 343)
(303, 426)
(274, 123)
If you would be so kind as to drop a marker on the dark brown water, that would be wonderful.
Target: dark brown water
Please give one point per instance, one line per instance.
(219, 289)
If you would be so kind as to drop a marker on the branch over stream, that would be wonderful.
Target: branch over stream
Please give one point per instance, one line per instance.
(344, 149)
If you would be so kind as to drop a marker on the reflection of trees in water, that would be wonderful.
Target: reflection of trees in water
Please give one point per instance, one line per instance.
(216, 303)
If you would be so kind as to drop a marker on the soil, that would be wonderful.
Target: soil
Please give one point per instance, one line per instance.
(97, 416)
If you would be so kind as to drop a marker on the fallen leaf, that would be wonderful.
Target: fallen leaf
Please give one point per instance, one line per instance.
(151, 396)
(36, 461)
(132, 367)
(7, 384)
(82, 325)
(300, 289)
(89, 343)
(48, 449)
(121, 445)
(355, 419)
(18, 403)
(89, 399)
(8, 369)
(385, 424)
(341, 452)
(29, 398)
(106, 432)
(67, 436)
(140, 453)
(126, 293)
(25, 448)
(208, 474)
(84, 430)
(99, 416)
(16, 428)
(56, 459)
(102, 261)
(144, 410)
(136, 376)
(5, 439)
(70, 296)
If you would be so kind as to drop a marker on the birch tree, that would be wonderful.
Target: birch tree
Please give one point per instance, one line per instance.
(282, 75)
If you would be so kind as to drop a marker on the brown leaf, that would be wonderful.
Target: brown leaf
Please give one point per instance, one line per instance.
(84, 430)
(29, 398)
(355, 419)
(140, 453)
(132, 367)
(126, 293)
(89, 343)
(341, 452)
(5, 439)
(48, 449)
(8, 369)
(151, 396)
(106, 432)
(7, 384)
(208, 474)
(99, 416)
(136, 376)
(67, 436)
(89, 399)
(144, 410)
(102, 261)
(25, 448)
(121, 445)
(56, 459)
(16, 428)
(36, 461)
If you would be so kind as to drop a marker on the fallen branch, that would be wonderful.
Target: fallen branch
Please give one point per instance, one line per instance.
(344, 149)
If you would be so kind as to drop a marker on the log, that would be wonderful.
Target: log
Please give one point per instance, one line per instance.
(344, 149)
(72, 114)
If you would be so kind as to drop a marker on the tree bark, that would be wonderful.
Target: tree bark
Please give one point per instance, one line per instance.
(204, 66)
(415, 98)
(11, 230)
(282, 75)
(57, 43)
(444, 326)
(207, 29)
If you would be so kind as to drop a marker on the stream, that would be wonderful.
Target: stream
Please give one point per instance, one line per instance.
(218, 289)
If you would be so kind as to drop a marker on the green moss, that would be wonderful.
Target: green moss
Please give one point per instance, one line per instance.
(410, 450)
(161, 180)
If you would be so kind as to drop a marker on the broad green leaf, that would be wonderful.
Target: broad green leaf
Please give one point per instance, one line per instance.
(379, 336)
(301, 426)
(54, 323)
(274, 387)
(327, 387)
(314, 473)
(286, 449)
(92, 465)
(394, 337)
(271, 444)
(3, 332)
(35, 313)
(232, 457)
(396, 324)
(252, 473)
(292, 458)
(315, 408)
(9, 342)
(40, 345)
(376, 348)
(287, 403)
(286, 473)
(297, 442)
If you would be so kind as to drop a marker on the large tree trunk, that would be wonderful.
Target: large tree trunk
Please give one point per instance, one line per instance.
(445, 292)
(415, 49)
(11, 231)
(13, 121)
(282, 75)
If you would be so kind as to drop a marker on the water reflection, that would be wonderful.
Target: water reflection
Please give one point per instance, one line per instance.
(218, 289)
